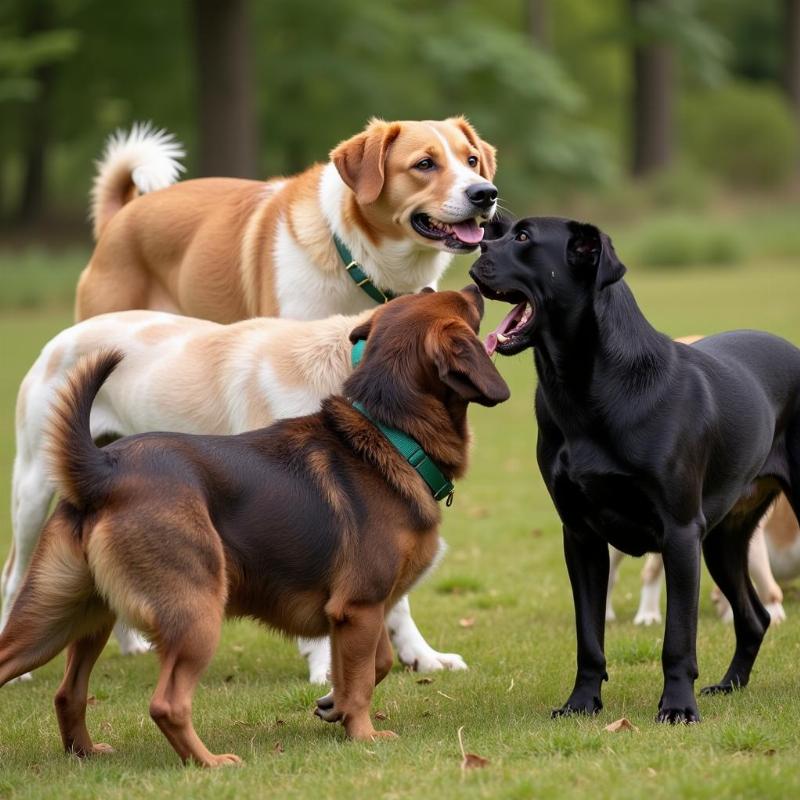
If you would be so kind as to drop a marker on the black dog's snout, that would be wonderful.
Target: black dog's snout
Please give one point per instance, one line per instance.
(484, 247)
(482, 195)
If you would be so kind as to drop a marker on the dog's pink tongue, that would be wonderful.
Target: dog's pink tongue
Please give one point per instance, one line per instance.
(509, 321)
(468, 232)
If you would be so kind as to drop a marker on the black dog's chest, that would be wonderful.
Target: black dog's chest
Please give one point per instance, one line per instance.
(606, 501)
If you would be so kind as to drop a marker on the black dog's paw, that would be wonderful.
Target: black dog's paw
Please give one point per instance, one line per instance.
(587, 707)
(726, 687)
(678, 716)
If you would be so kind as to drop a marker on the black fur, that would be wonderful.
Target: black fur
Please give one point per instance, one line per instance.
(647, 444)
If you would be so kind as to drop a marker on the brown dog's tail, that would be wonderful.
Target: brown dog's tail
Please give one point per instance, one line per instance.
(81, 470)
(134, 162)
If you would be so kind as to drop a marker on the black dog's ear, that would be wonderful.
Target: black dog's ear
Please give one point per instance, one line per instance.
(589, 246)
(361, 331)
(497, 227)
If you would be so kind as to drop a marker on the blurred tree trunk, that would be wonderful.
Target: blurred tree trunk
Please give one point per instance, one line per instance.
(36, 123)
(791, 77)
(653, 96)
(227, 119)
(537, 22)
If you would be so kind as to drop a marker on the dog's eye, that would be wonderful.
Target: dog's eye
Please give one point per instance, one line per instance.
(473, 161)
(425, 165)
(522, 237)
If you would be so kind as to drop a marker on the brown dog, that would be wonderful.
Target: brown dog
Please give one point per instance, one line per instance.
(315, 525)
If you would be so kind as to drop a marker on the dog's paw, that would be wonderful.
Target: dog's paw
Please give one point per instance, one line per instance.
(326, 709)
(678, 716)
(776, 612)
(723, 687)
(647, 617)
(586, 707)
(429, 660)
(223, 760)
(384, 735)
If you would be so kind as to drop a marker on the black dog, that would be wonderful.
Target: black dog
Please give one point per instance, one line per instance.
(644, 443)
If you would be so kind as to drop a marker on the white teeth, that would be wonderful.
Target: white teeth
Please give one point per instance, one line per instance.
(501, 337)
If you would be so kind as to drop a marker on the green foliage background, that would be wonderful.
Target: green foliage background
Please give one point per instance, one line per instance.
(558, 114)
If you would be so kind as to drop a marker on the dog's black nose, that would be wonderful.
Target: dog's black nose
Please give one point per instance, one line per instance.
(482, 195)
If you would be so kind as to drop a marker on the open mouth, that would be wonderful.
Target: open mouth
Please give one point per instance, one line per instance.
(512, 329)
(464, 235)
(510, 334)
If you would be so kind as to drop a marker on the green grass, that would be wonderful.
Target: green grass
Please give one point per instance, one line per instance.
(39, 277)
(505, 570)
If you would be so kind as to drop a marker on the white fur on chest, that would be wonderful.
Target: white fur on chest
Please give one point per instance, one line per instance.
(306, 290)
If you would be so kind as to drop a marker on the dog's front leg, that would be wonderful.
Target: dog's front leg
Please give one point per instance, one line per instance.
(679, 659)
(588, 566)
(362, 656)
(412, 649)
(318, 654)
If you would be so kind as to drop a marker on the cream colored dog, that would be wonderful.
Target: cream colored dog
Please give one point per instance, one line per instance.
(402, 197)
(774, 555)
(193, 376)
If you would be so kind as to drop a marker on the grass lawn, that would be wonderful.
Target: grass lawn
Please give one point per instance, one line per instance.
(500, 598)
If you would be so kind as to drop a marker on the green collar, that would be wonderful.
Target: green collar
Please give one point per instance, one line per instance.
(409, 448)
(358, 275)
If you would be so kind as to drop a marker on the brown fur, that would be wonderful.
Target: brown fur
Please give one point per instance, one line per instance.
(314, 525)
(204, 247)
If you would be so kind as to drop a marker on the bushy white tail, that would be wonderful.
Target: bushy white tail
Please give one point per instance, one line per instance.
(134, 162)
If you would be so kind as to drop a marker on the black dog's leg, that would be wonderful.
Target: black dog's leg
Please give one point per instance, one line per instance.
(587, 564)
(681, 553)
(725, 550)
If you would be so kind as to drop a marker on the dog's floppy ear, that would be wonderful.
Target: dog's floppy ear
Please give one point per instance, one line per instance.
(360, 160)
(589, 246)
(487, 163)
(464, 366)
(497, 227)
(361, 331)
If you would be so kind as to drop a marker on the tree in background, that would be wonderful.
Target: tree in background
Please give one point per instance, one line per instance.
(791, 73)
(537, 22)
(31, 49)
(653, 101)
(228, 142)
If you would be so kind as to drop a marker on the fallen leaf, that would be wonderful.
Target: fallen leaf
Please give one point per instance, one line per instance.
(425, 680)
(278, 748)
(381, 715)
(621, 724)
(279, 722)
(466, 622)
(473, 761)
(651, 772)
(470, 760)
(770, 752)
